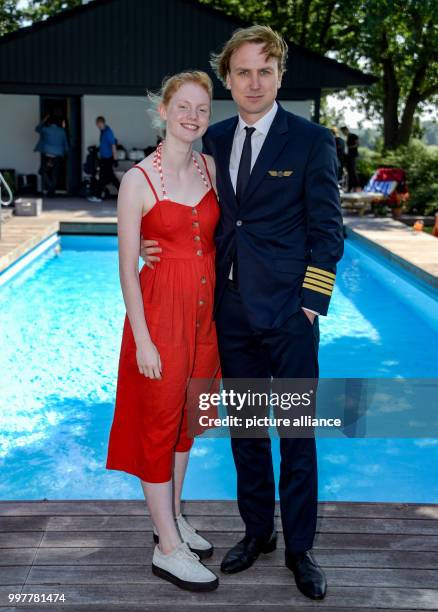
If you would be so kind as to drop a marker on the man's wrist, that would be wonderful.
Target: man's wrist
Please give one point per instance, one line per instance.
(310, 310)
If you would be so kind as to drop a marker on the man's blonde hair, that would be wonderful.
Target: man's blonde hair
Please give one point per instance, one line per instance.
(273, 46)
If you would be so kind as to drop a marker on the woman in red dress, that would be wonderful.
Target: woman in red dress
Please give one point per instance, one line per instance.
(169, 335)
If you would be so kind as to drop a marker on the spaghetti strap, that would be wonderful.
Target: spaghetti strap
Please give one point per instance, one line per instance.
(206, 167)
(148, 180)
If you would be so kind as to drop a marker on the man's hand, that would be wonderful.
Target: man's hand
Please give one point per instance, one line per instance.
(310, 315)
(147, 250)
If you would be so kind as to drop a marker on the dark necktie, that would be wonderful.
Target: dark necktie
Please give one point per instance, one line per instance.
(242, 180)
(244, 165)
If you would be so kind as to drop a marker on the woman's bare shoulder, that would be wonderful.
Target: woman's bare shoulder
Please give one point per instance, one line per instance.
(134, 185)
(210, 163)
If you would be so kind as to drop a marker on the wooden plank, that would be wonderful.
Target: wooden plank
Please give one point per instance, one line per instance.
(17, 556)
(235, 524)
(328, 558)
(354, 541)
(103, 574)
(5, 591)
(18, 539)
(196, 607)
(14, 574)
(23, 523)
(285, 596)
(209, 508)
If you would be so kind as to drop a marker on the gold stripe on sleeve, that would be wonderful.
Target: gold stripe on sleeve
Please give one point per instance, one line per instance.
(321, 271)
(316, 288)
(310, 276)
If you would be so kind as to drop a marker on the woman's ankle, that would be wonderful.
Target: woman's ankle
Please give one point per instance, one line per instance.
(167, 546)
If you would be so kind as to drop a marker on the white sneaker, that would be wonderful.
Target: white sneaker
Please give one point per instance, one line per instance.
(182, 567)
(195, 541)
(94, 199)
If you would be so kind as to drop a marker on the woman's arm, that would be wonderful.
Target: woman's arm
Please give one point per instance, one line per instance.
(129, 213)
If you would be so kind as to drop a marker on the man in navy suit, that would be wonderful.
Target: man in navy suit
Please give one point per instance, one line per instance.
(278, 241)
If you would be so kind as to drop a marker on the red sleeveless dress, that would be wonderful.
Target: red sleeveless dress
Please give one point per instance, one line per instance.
(150, 416)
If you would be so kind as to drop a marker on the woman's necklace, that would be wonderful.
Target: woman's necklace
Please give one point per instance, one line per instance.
(157, 165)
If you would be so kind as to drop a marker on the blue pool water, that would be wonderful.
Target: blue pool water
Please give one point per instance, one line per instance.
(60, 335)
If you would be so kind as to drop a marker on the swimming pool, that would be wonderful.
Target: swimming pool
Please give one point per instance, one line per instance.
(61, 326)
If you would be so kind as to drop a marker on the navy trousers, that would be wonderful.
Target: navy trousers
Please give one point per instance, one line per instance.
(290, 351)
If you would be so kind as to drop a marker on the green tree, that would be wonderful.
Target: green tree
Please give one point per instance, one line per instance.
(396, 40)
(10, 16)
(41, 9)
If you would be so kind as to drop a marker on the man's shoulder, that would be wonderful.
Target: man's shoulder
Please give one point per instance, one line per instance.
(221, 126)
(305, 126)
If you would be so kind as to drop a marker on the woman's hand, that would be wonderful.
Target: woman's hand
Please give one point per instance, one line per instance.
(147, 250)
(148, 360)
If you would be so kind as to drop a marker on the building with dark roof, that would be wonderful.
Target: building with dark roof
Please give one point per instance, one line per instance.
(101, 57)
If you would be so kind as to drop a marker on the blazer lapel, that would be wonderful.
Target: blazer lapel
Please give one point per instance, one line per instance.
(224, 145)
(275, 140)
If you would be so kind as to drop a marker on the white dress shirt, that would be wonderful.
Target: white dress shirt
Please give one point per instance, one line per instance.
(257, 139)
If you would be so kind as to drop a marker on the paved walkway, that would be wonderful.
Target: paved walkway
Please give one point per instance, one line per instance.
(377, 556)
(20, 234)
(415, 252)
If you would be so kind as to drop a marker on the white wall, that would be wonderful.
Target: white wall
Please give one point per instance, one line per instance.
(128, 118)
(19, 114)
(126, 115)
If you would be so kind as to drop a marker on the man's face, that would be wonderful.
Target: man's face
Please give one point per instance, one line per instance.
(100, 125)
(254, 80)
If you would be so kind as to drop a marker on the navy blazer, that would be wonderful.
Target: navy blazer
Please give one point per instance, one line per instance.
(288, 229)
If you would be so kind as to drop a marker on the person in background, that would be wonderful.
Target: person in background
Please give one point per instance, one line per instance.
(350, 161)
(108, 159)
(52, 145)
(340, 151)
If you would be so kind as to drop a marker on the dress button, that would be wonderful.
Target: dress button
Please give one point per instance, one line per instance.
(197, 238)
(194, 211)
(239, 223)
(203, 280)
(198, 324)
(201, 302)
(195, 224)
(199, 252)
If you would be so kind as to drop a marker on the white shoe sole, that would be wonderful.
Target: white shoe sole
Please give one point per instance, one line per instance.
(185, 584)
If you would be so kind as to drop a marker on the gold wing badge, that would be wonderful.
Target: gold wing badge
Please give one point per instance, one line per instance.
(280, 173)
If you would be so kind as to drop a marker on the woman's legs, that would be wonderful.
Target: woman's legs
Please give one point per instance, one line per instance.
(181, 460)
(159, 500)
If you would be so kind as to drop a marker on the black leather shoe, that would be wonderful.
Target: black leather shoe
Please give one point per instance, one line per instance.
(309, 576)
(243, 555)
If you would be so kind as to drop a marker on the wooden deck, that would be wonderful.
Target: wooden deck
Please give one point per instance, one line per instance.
(98, 553)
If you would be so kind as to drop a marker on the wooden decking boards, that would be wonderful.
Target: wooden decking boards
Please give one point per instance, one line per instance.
(376, 556)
